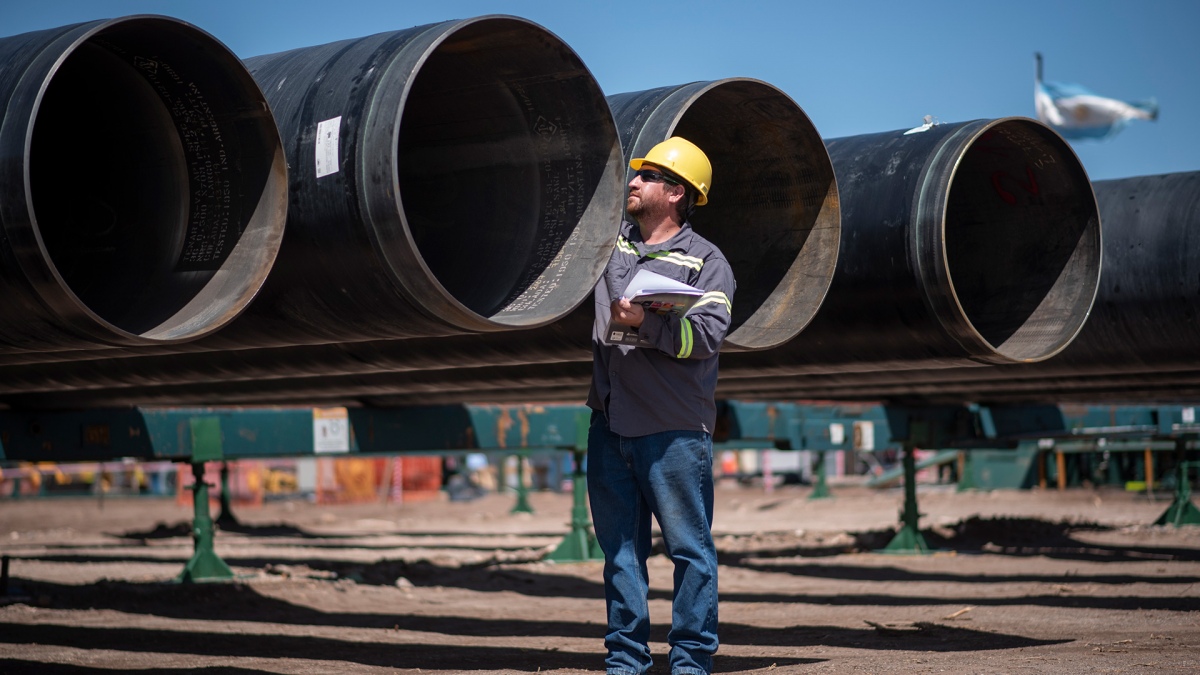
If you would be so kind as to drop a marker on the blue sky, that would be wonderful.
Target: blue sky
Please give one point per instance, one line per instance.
(854, 66)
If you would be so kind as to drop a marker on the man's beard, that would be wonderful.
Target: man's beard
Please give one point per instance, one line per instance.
(638, 208)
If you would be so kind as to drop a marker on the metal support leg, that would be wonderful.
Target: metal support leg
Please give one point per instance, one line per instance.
(908, 539)
(966, 479)
(580, 544)
(522, 505)
(226, 519)
(204, 565)
(1181, 511)
(820, 487)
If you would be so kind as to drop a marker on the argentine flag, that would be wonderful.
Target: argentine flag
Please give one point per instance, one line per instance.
(1077, 113)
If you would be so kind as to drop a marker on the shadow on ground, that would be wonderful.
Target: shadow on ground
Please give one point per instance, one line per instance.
(372, 653)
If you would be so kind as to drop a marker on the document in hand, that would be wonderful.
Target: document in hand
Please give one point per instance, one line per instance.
(658, 294)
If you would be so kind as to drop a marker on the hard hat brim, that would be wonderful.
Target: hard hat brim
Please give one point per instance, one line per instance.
(701, 198)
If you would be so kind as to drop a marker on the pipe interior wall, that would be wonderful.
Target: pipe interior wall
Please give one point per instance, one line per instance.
(144, 186)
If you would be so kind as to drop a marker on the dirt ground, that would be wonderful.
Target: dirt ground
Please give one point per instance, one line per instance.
(1024, 582)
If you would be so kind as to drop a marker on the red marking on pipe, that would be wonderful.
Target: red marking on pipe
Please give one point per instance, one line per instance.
(1030, 185)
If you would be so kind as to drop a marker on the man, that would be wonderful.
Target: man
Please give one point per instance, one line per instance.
(650, 442)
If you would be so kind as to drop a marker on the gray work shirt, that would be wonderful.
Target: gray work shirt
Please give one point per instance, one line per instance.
(670, 386)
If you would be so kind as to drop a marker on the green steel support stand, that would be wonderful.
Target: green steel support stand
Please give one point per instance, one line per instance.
(1181, 511)
(820, 487)
(966, 477)
(580, 544)
(204, 565)
(1113, 471)
(522, 505)
(908, 539)
(226, 519)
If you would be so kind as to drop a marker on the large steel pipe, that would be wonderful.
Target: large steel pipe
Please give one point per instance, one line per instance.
(143, 185)
(774, 212)
(452, 178)
(962, 243)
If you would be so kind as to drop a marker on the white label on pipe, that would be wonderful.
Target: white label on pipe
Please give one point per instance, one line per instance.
(327, 146)
(1189, 415)
(331, 430)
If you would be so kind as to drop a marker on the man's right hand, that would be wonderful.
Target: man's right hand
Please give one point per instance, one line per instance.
(626, 313)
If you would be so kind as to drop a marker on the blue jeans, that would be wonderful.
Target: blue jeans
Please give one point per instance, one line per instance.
(668, 475)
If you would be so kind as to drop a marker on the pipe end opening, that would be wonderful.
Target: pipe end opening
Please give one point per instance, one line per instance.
(773, 209)
(155, 172)
(1022, 240)
(509, 173)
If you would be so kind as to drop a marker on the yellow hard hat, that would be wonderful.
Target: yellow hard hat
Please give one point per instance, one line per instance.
(682, 158)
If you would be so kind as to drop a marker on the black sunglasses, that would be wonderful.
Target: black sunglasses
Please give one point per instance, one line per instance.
(652, 176)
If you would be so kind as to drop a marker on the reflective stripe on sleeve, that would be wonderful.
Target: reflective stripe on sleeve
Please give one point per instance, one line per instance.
(685, 339)
(715, 296)
(624, 246)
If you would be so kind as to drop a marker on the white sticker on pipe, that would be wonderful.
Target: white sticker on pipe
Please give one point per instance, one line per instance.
(327, 146)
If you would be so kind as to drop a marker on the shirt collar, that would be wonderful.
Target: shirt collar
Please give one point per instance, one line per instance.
(681, 241)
